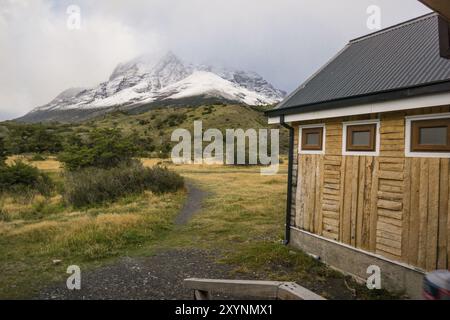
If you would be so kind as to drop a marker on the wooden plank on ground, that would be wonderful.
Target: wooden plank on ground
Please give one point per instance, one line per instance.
(256, 289)
(250, 288)
(292, 291)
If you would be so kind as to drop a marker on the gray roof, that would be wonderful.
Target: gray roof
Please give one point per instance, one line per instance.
(404, 56)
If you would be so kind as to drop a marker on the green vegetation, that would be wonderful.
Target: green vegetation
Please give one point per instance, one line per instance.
(247, 225)
(32, 138)
(104, 148)
(104, 205)
(159, 123)
(38, 232)
(93, 186)
(20, 177)
(2, 152)
(149, 131)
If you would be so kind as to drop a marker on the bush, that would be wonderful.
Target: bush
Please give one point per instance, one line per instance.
(38, 157)
(105, 148)
(27, 138)
(22, 177)
(2, 152)
(91, 186)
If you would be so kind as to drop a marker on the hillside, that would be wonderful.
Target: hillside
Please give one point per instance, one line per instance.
(154, 125)
(159, 123)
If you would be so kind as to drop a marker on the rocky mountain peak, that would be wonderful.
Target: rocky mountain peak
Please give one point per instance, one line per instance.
(157, 78)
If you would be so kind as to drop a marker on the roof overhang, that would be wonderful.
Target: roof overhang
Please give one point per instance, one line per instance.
(433, 88)
(440, 6)
(364, 106)
(434, 100)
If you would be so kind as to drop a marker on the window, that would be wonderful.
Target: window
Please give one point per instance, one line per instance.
(312, 139)
(428, 136)
(361, 138)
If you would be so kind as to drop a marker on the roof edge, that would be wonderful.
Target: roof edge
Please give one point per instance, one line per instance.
(393, 27)
(407, 92)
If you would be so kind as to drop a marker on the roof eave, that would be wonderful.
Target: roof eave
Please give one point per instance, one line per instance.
(439, 6)
(409, 92)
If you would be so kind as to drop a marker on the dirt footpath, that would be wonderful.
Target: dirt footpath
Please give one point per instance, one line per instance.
(192, 205)
(157, 277)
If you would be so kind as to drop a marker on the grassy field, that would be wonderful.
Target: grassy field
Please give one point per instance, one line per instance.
(40, 237)
(242, 218)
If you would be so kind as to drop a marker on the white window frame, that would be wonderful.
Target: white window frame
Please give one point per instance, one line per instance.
(422, 154)
(375, 153)
(309, 126)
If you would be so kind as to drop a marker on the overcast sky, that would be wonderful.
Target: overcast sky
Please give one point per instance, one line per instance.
(283, 40)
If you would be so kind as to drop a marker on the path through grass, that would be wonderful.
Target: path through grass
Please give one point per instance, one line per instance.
(242, 219)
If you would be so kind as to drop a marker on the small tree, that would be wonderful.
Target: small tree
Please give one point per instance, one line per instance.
(105, 148)
(2, 152)
(19, 177)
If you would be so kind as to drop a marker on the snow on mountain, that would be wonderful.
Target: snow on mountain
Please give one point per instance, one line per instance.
(150, 79)
(211, 85)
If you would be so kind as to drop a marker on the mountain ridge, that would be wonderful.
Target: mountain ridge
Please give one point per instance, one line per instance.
(157, 81)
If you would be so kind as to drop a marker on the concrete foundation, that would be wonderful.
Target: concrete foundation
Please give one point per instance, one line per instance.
(395, 276)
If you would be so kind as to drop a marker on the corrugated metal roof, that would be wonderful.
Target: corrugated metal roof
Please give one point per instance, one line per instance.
(400, 57)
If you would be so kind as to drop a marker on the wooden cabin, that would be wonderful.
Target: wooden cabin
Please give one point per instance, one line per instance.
(370, 176)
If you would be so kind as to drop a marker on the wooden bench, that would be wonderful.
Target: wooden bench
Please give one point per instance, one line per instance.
(249, 288)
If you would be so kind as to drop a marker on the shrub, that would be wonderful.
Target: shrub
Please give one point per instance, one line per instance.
(38, 157)
(91, 186)
(21, 177)
(2, 152)
(26, 138)
(143, 122)
(105, 148)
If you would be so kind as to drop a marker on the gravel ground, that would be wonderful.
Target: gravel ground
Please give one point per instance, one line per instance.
(159, 277)
(192, 205)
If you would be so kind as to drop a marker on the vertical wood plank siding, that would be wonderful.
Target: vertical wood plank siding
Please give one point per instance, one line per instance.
(391, 205)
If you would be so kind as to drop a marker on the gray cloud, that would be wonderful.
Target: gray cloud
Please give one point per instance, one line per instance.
(283, 40)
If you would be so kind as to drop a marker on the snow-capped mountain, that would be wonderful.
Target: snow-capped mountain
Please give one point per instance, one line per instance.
(150, 80)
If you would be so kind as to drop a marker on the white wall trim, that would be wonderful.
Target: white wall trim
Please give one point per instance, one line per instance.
(274, 120)
(412, 154)
(319, 125)
(375, 153)
(433, 100)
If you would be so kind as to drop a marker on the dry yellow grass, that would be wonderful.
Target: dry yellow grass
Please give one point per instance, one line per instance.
(50, 164)
(237, 210)
(36, 230)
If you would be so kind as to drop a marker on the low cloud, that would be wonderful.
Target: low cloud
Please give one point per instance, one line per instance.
(283, 40)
